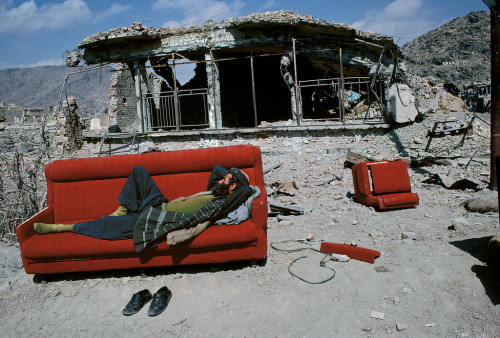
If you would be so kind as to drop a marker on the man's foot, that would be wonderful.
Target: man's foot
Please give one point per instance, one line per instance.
(121, 211)
(45, 228)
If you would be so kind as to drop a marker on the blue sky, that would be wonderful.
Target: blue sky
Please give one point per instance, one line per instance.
(35, 33)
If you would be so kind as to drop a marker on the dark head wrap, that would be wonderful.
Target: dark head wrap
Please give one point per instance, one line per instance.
(238, 177)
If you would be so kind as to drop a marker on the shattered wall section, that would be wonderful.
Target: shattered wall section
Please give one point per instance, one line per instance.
(123, 101)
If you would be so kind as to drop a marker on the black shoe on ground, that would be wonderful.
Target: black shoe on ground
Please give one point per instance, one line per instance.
(160, 301)
(137, 302)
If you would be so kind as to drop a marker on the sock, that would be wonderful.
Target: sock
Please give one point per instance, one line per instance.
(45, 228)
(121, 211)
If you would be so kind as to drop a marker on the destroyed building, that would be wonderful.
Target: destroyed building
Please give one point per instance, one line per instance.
(248, 72)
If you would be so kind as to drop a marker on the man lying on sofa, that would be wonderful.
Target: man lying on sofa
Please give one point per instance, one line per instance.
(145, 214)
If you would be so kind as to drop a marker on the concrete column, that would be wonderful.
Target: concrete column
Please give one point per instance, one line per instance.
(289, 80)
(213, 84)
(138, 93)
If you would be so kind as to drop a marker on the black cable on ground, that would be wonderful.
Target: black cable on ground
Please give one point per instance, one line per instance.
(321, 264)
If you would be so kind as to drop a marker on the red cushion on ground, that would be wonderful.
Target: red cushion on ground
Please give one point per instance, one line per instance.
(400, 200)
(68, 246)
(390, 177)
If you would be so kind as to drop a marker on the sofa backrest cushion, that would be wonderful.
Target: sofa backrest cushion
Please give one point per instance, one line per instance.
(390, 177)
(88, 188)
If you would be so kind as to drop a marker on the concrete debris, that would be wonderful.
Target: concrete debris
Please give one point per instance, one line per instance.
(409, 235)
(288, 188)
(353, 158)
(4, 286)
(446, 102)
(381, 268)
(450, 183)
(459, 224)
(321, 182)
(487, 202)
(402, 103)
(418, 140)
(55, 293)
(428, 161)
(286, 209)
(494, 247)
(407, 291)
(377, 315)
(339, 175)
(401, 326)
(339, 258)
(268, 168)
(147, 147)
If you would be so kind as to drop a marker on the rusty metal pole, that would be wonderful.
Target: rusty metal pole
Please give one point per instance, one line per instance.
(495, 91)
(253, 90)
(342, 106)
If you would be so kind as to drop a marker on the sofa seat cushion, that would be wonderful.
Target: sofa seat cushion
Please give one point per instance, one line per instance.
(390, 177)
(401, 199)
(68, 246)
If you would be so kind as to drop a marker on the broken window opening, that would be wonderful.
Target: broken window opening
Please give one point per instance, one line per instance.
(168, 96)
(272, 96)
(321, 99)
(321, 93)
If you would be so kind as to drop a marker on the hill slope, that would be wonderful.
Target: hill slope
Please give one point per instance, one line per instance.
(458, 51)
(42, 86)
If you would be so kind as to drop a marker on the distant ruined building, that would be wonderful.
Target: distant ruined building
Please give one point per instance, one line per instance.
(253, 71)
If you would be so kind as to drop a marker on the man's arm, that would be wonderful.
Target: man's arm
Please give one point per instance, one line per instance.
(217, 174)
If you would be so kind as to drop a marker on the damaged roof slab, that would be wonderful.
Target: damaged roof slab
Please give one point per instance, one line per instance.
(261, 31)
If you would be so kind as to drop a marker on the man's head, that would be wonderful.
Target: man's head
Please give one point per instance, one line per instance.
(234, 179)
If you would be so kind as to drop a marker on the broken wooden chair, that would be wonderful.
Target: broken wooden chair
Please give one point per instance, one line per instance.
(383, 184)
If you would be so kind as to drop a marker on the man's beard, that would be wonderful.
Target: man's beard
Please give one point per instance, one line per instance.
(221, 190)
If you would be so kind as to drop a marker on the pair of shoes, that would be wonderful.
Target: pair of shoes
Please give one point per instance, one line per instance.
(137, 302)
(160, 301)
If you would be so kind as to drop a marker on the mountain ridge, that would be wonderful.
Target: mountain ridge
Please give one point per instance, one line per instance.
(42, 86)
(457, 52)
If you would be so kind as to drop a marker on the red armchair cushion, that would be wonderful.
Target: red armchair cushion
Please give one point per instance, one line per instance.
(390, 177)
(397, 200)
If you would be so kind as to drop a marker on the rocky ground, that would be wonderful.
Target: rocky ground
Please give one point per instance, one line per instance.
(458, 51)
(432, 277)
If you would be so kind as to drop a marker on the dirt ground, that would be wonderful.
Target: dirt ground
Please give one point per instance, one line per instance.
(432, 278)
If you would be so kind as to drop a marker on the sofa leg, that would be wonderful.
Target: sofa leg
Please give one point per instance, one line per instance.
(258, 262)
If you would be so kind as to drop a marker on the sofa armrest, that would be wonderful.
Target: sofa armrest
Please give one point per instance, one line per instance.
(260, 209)
(361, 181)
(25, 230)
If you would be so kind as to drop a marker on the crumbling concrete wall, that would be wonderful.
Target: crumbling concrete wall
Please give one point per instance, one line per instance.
(123, 102)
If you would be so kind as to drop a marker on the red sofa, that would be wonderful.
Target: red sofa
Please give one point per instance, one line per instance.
(87, 188)
(390, 182)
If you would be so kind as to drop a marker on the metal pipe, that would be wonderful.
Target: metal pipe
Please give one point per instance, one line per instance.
(342, 106)
(253, 90)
